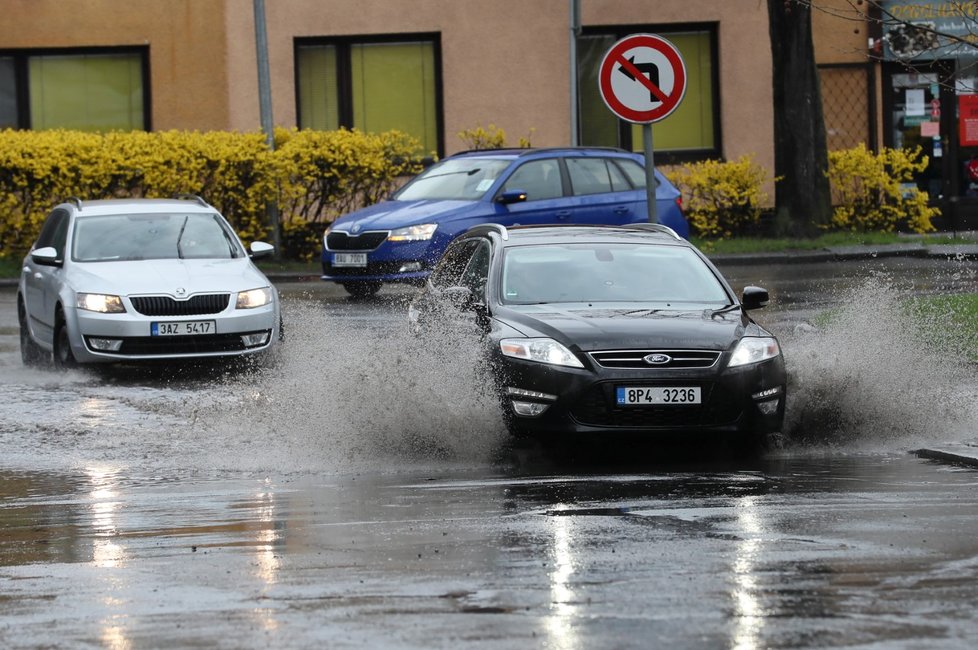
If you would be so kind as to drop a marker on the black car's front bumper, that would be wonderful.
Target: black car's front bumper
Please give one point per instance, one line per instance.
(747, 400)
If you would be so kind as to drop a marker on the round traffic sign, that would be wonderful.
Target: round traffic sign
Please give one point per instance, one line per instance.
(642, 78)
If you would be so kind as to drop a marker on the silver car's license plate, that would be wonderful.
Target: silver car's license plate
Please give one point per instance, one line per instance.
(183, 328)
(349, 259)
(645, 395)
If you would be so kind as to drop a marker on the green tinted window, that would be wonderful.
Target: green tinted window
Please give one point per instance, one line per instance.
(89, 92)
(318, 96)
(8, 94)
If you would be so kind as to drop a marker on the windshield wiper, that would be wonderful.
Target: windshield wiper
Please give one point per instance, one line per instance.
(180, 236)
(724, 310)
(467, 173)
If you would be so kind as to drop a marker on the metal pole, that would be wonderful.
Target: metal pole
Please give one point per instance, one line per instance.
(575, 31)
(265, 107)
(650, 184)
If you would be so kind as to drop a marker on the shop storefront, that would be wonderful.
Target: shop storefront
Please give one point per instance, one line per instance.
(930, 98)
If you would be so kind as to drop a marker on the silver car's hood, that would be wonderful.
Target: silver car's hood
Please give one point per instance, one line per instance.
(167, 277)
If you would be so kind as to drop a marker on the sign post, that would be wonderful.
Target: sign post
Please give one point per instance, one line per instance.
(642, 79)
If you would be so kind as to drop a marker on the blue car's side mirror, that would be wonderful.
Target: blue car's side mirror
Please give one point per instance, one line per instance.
(511, 196)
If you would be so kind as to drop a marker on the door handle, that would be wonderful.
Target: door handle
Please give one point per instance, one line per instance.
(622, 209)
(563, 214)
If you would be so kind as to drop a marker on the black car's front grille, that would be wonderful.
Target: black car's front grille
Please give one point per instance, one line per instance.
(211, 303)
(138, 346)
(657, 358)
(338, 240)
(598, 407)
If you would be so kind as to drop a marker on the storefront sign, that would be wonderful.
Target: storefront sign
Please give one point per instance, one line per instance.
(968, 120)
(919, 29)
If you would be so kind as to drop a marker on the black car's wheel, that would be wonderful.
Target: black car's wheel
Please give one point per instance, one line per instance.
(64, 358)
(31, 354)
(362, 289)
(750, 444)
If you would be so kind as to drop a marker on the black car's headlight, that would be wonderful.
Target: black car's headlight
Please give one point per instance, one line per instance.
(546, 351)
(100, 302)
(754, 350)
(422, 232)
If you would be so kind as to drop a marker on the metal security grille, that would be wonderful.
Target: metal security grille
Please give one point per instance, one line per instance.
(368, 241)
(636, 358)
(848, 106)
(211, 303)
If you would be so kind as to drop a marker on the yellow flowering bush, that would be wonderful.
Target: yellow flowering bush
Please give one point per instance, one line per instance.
(722, 198)
(874, 191)
(314, 175)
(480, 138)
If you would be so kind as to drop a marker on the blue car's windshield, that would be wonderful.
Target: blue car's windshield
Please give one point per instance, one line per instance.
(462, 179)
(670, 276)
(152, 237)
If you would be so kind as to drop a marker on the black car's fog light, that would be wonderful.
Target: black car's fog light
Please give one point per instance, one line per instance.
(767, 394)
(765, 404)
(255, 339)
(526, 408)
(104, 345)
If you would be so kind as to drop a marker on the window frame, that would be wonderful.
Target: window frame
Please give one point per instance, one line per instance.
(344, 73)
(22, 56)
(624, 130)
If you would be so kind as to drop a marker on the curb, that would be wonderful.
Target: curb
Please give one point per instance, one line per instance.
(955, 454)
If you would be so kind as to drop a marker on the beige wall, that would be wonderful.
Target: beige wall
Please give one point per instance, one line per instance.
(504, 62)
(188, 58)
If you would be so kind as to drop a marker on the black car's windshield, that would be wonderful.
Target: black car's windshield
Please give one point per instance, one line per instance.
(462, 179)
(668, 276)
(152, 237)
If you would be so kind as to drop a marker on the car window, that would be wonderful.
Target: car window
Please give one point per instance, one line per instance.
(153, 236)
(670, 276)
(589, 175)
(634, 171)
(54, 232)
(540, 179)
(460, 179)
(448, 271)
(476, 274)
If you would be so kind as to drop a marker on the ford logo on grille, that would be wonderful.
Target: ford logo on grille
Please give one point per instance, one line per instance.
(657, 359)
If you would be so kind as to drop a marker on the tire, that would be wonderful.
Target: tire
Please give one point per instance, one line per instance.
(31, 354)
(64, 358)
(362, 289)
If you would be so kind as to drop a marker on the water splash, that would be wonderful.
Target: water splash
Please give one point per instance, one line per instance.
(879, 374)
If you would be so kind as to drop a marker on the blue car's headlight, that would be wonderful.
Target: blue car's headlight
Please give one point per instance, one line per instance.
(754, 350)
(542, 350)
(422, 232)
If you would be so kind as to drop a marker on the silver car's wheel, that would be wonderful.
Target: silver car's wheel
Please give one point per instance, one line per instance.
(64, 358)
(31, 353)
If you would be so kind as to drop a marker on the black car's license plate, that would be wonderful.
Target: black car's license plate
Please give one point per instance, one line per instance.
(183, 328)
(648, 395)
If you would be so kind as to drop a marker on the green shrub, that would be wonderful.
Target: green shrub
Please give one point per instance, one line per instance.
(873, 191)
(722, 198)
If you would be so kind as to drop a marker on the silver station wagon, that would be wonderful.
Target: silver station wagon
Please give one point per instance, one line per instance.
(143, 279)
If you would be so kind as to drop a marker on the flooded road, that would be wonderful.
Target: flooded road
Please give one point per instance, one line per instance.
(361, 493)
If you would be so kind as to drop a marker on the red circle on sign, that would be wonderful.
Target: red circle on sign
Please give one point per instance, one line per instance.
(615, 60)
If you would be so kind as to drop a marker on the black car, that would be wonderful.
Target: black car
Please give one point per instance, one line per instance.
(602, 330)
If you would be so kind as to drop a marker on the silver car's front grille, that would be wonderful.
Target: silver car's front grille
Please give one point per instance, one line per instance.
(209, 303)
(655, 358)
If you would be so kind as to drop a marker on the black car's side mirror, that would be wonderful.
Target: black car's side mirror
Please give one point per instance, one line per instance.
(511, 196)
(460, 297)
(754, 298)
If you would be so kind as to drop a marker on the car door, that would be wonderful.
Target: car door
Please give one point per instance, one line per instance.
(546, 200)
(42, 282)
(602, 194)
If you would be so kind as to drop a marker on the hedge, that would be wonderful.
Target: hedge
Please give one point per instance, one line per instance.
(313, 175)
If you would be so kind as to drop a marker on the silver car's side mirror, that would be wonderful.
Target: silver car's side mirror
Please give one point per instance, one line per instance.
(260, 249)
(47, 256)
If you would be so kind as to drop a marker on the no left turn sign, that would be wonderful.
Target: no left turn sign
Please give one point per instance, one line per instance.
(642, 78)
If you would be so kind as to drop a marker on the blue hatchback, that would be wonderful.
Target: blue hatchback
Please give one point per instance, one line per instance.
(401, 239)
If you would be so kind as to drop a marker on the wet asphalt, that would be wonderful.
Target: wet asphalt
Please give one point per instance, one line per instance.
(360, 493)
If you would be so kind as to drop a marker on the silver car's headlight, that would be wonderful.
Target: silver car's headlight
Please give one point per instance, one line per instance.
(100, 302)
(422, 232)
(754, 350)
(253, 298)
(542, 350)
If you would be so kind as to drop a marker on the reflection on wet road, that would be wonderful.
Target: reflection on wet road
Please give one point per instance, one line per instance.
(361, 492)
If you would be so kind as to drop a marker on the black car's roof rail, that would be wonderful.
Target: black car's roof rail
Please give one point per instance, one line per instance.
(654, 227)
(490, 227)
(75, 200)
(192, 197)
